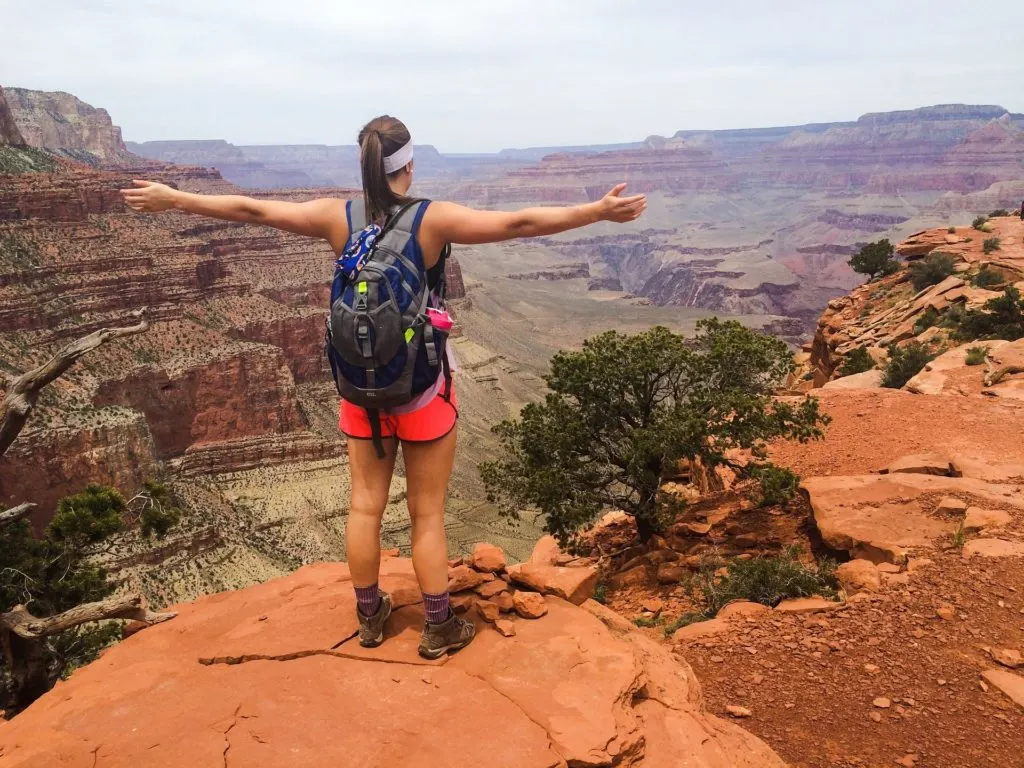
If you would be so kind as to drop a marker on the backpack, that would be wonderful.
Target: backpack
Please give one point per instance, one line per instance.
(382, 347)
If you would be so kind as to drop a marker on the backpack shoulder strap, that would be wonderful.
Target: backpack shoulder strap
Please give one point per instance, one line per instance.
(402, 226)
(356, 210)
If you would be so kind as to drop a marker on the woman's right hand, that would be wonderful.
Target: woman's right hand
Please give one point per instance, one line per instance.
(149, 196)
(613, 207)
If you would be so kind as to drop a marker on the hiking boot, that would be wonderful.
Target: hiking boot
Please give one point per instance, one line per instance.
(446, 637)
(371, 628)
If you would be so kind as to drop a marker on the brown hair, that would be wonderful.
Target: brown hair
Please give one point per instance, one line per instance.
(379, 138)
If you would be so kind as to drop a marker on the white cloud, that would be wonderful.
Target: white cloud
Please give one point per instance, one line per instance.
(475, 76)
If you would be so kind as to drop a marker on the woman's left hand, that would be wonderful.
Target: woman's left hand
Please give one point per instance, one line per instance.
(149, 196)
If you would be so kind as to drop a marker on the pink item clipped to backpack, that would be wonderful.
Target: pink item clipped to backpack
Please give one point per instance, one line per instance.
(440, 319)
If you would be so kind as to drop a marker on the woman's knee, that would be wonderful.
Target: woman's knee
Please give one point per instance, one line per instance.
(425, 508)
(367, 507)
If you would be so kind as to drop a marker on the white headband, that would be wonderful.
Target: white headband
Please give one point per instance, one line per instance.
(397, 161)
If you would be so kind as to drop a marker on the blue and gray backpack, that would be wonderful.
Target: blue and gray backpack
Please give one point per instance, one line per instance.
(383, 350)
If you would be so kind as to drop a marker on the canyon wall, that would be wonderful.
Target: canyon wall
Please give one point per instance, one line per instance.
(9, 133)
(110, 446)
(64, 123)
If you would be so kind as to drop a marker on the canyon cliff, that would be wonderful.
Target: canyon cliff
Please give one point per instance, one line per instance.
(61, 122)
(9, 133)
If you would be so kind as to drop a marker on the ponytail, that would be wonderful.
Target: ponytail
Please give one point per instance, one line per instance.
(381, 137)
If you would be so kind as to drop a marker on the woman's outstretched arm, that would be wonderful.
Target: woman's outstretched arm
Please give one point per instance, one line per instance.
(458, 224)
(316, 218)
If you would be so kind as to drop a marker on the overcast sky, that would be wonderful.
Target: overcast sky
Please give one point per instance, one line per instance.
(480, 75)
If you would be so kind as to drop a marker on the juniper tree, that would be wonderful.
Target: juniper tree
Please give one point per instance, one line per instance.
(875, 259)
(624, 410)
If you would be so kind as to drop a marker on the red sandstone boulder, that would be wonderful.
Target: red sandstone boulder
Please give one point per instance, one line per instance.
(504, 602)
(1009, 683)
(636, 576)
(463, 577)
(545, 551)
(670, 574)
(488, 558)
(700, 629)
(883, 517)
(572, 584)
(488, 611)
(807, 605)
(489, 589)
(994, 548)
(463, 601)
(920, 464)
(505, 627)
(977, 519)
(859, 576)
(529, 605)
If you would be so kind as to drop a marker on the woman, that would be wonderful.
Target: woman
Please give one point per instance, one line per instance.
(426, 430)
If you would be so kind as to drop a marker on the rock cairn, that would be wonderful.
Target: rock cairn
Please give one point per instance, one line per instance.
(484, 581)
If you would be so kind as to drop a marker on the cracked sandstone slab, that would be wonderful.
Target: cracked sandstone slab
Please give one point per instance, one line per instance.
(881, 517)
(568, 690)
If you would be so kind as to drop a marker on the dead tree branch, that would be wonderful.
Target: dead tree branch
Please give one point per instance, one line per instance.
(993, 377)
(14, 514)
(23, 624)
(24, 390)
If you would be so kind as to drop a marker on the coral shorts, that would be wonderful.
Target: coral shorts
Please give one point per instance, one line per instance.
(431, 422)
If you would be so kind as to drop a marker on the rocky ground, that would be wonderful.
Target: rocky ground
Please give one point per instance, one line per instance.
(895, 678)
(557, 685)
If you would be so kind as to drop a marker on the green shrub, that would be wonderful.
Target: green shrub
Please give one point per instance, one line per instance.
(647, 623)
(951, 230)
(991, 244)
(959, 537)
(987, 278)
(857, 361)
(52, 573)
(976, 355)
(158, 520)
(777, 485)
(927, 319)
(89, 516)
(904, 364)
(1001, 317)
(979, 222)
(931, 270)
(875, 259)
(156, 509)
(953, 318)
(768, 581)
(998, 212)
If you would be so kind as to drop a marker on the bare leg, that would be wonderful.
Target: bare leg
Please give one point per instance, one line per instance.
(371, 483)
(428, 467)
